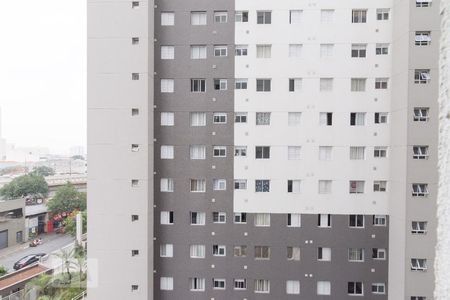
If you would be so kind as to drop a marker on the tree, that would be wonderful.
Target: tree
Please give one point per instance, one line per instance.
(26, 185)
(3, 271)
(67, 199)
(70, 223)
(43, 171)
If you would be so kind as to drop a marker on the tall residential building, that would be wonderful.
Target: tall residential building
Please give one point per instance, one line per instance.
(262, 149)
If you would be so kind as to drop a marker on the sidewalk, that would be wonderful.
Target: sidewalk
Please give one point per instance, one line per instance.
(46, 237)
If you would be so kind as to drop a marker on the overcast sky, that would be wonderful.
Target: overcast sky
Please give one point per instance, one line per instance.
(42, 72)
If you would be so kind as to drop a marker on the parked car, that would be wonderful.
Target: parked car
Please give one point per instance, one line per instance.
(27, 260)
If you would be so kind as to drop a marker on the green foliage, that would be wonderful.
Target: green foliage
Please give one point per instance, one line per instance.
(70, 224)
(43, 171)
(67, 199)
(3, 271)
(26, 185)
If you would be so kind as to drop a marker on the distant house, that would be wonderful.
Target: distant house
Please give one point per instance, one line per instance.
(12, 222)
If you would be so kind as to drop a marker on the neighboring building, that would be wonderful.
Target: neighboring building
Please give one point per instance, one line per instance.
(12, 222)
(262, 149)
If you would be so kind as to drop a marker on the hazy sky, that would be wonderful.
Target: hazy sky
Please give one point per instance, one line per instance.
(42, 72)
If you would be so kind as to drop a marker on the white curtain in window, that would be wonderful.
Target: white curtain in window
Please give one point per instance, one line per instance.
(198, 119)
(294, 118)
(326, 15)
(167, 18)
(358, 84)
(263, 51)
(296, 220)
(198, 52)
(166, 185)
(357, 152)
(323, 118)
(294, 152)
(197, 284)
(293, 287)
(295, 50)
(166, 283)
(324, 220)
(323, 288)
(326, 84)
(296, 185)
(326, 50)
(326, 254)
(262, 219)
(360, 119)
(200, 218)
(197, 251)
(325, 152)
(197, 151)
(167, 152)
(198, 185)
(198, 18)
(165, 217)
(324, 186)
(167, 119)
(166, 250)
(167, 52)
(296, 16)
(262, 285)
(219, 184)
(167, 85)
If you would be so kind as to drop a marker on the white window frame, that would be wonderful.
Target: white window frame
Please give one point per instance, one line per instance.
(198, 18)
(197, 251)
(167, 85)
(197, 119)
(199, 51)
(419, 227)
(197, 185)
(219, 184)
(420, 190)
(419, 264)
(421, 151)
(167, 52)
(220, 50)
(220, 17)
(167, 18)
(167, 119)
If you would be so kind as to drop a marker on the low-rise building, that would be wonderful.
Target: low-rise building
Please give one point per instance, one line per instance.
(12, 222)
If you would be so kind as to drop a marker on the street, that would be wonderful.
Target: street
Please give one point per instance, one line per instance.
(51, 243)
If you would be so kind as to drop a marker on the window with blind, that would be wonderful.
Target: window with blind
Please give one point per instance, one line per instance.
(295, 50)
(357, 153)
(327, 16)
(166, 185)
(358, 85)
(197, 151)
(167, 119)
(167, 18)
(325, 152)
(198, 18)
(295, 84)
(197, 251)
(166, 283)
(292, 287)
(167, 152)
(326, 84)
(262, 286)
(294, 186)
(325, 186)
(357, 119)
(323, 288)
(324, 220)
(167, 85)
(294, 152)
(197, 284)
(323, 254)
(262, 219)
(294, 118)
(167, 218)
(167, 52)
(198, 119)
(198, 52)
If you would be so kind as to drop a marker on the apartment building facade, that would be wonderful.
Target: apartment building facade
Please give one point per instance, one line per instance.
(262, 150)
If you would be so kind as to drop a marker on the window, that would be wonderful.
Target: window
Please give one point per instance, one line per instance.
(359, 50)
(327, 16)
(418, 264)
(381, 49)
(220, 51)
(262, 152)
(324, 220)
(262, 286)
(325, 152)
(423, 3)
(294, 152)
(134, 287)
(379, 186)
(240, 284)
(219, 250)
(167, 18)
(359, 16)
(422, 38)
(419, 227)
(197, 151)
(293, 186)
(198, 119)
(382, 14)
(294, 220)
(220, 84)
(294, 118)
(198, 52)
(240, 218)
(381, 83)
(198, 18)
(262, 186)
(197, 251)
(167, 52)
(218, 284)
(422, 76)
(134, 182)
(356, 221)
(219, 217)
(326, 118)
(263, 118)
(134, 76)
(197, 284)
(240, 251)
(134, 4)
(355, 254)
(379, 152)
(167, 85)
(295, 84)
(295, 16)
(323, 254)
(356, 187)
(355, 288)
(379, 254)
(381, 118)
(378, 288)
(166, 283)
(358, 84)
(167, 152)
(419, 189)
(263, 85)
(325, 186)
(240, 184)
(262, 220)
(357, 153)
(167, 218)
(198, 185)
(241, 84)
(357, 119)
(198, 218)
(420, 152)
(326, 50)
(241, 50)
(134, 147)
(198, 85)
(295, 50)
(166, 185)
(166, 250)
(326, 84)
(293, 287)
(220, 17)
(219, 118)
(262, 252)
(240, 117)
(419, 297)
(219, 184)
(323, 288)
(263, 17)
(134, 112)
(240, 151)
(379, 220)
(241, 17)
(263, 51)
(421, 114)
(167, 119)
(293, 253)
(134, 218)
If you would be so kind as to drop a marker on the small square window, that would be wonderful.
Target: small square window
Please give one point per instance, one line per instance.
(241, 17)
(134, 112)
(263, 17)
(219, 118)
(134, 4)
(134, 218)
(134, 252)
(220, 17)
(134, 287)
(134, 40)
(382, 14)
(134, 76)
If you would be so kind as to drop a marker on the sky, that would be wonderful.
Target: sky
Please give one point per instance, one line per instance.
(43, 73)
